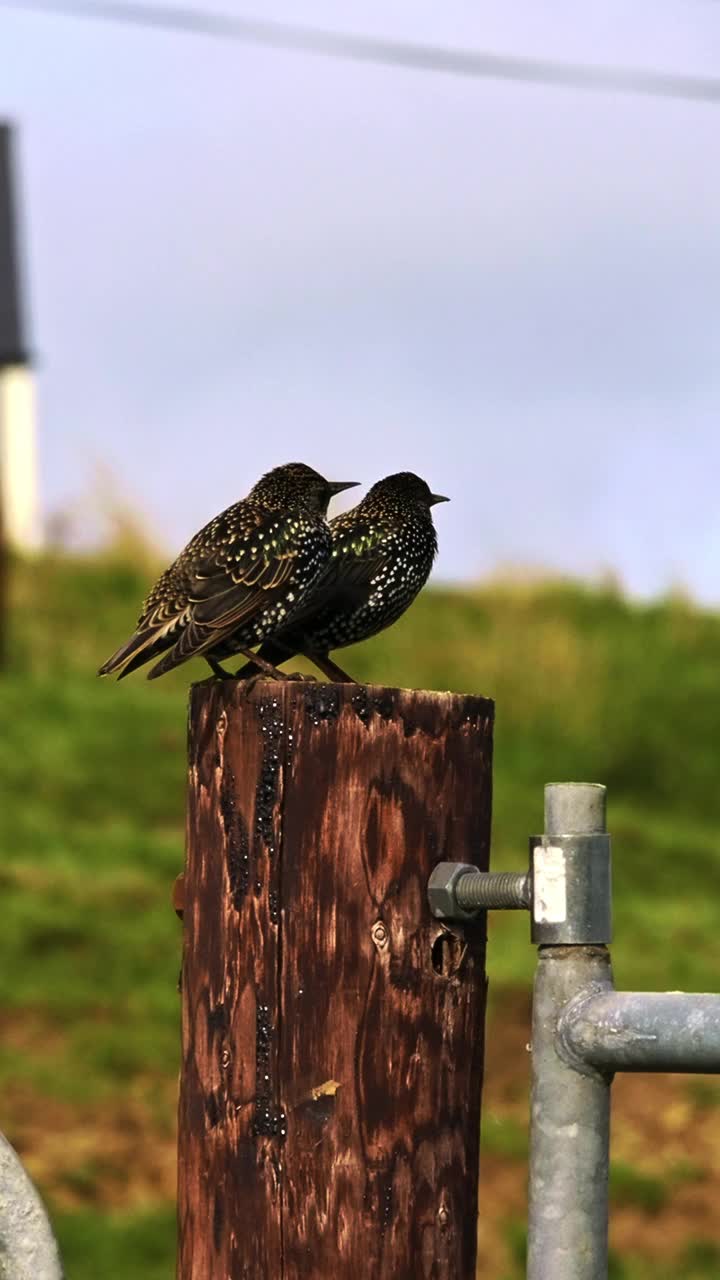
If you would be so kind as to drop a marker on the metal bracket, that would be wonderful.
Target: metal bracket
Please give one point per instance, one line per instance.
(567, 888)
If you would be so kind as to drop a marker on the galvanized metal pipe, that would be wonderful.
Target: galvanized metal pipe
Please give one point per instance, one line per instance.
(28, 1250)
(583, 1030)
(570, 866)
(642, 1031)
(577, 807)
(570, 1109)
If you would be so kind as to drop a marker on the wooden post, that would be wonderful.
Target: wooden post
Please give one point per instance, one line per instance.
(332, 1030)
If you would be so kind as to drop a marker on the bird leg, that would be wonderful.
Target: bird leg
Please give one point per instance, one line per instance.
(250, 670)
(216, 668)
(328, 668)
(266, 668)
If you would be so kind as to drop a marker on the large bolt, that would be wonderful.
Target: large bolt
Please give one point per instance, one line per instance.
(442, 890)
(501, 890)
(457, 891)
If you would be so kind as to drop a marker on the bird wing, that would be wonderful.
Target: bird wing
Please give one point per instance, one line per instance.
(234, 567)
(230, 585)
(360, 553)
(361, 550)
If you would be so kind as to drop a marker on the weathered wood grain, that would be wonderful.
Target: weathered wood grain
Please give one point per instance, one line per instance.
(332, 1031)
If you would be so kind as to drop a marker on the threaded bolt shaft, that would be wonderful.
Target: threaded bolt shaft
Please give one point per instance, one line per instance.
(499, 889)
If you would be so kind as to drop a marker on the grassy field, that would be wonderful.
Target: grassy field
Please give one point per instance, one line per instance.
(587, 686)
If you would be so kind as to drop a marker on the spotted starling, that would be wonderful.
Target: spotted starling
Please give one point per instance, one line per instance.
(382, 554)
(239, 579)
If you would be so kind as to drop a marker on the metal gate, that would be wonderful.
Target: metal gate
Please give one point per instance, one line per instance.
(583, 1030)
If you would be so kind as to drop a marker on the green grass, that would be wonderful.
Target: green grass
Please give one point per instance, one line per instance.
(703, 1093)
(119, 1245)
(628, 1186)
(699, 1260)
(503, 1136)
(588, 687)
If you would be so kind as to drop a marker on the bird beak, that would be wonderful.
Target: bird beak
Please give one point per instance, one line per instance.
(437, 497)
(338, 486)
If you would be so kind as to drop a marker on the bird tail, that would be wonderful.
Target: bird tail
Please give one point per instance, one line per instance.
(194, 640)
(140, 648)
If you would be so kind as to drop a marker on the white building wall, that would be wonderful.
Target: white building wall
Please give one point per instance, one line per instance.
(19, 498)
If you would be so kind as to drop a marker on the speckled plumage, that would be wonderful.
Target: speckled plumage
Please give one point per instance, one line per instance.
(241, 578)
(382, 554)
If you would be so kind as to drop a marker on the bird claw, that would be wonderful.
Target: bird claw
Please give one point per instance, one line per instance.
(248, 682)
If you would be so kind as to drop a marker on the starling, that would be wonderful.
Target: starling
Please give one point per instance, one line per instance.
(240, 578)
(382, 554)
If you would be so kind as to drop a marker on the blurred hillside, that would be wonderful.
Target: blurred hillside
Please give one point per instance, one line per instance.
(587, 685)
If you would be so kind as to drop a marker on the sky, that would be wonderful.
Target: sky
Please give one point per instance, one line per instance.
(237, 257)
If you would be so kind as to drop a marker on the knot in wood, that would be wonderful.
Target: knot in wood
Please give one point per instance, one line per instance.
(380, 935)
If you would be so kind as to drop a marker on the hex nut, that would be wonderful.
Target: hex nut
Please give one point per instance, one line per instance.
(441, 891)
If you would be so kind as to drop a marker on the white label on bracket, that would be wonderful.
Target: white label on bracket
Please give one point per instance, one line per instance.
(549, 885)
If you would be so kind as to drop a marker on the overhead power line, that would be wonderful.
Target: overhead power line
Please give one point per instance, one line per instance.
(391, 53)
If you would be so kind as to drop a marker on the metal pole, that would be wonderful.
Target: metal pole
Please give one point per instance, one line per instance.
(570, 1108)
(642, 1031)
